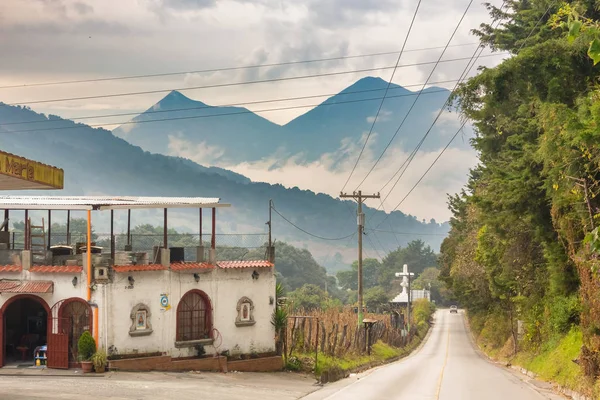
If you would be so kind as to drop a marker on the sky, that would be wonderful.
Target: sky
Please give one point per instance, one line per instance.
(64, 40)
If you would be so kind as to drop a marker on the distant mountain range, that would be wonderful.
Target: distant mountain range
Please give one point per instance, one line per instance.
(237, 135)
(97, 162)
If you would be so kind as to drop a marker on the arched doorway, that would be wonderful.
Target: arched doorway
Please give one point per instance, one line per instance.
(24, 327)
(194, 319)
(75, 317)
(68, 320)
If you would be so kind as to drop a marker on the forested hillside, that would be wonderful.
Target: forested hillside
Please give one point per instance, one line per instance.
(524, 239)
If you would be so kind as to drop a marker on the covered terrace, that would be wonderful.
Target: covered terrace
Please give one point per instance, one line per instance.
(37, 247)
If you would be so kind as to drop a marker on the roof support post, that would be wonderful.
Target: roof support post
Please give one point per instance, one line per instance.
(213, 239)
(129, 227)
(200, 228)
(68, 227)
(165, 230)
(6, 219)
(89, 255)
(49, 229)
(26, 233)
(112, 236)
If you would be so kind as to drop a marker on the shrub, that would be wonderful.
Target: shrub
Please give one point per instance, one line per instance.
(99, 359)
(422, 311)
(86, 346)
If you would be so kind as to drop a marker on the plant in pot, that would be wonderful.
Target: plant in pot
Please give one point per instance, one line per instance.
(86, 347)
(99, 359)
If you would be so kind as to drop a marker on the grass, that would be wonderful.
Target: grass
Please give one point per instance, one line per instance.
(379, 352)
(555, 362)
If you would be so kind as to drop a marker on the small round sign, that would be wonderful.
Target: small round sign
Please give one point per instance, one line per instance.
(164, 301)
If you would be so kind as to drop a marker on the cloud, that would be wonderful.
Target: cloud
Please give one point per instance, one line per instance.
(200, 153)
(187, 4)
(384, 115)
(327, 175)
(83, 8)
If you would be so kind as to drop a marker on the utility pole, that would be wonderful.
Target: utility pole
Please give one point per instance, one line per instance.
(409, 299)
(359, 197)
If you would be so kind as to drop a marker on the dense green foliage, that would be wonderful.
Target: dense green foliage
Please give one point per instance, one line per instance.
(379, 277)
(516, 249)
(86, 346)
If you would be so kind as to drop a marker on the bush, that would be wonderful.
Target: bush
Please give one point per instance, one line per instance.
(422, 311)
(99, 359)
(86, 346)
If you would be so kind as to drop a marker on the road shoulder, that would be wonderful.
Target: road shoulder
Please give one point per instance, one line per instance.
(546, 389)
(327, 389)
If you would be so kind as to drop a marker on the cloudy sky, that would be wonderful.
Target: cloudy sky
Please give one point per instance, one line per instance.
(64, 40)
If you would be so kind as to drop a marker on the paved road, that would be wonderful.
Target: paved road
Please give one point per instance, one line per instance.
(158, 386)
(447, 367)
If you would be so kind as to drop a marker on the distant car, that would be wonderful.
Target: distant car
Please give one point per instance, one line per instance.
(453, 309)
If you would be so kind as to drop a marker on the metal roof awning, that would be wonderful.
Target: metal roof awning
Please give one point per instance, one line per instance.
(26, 286)
(105, 202)
(19, 173)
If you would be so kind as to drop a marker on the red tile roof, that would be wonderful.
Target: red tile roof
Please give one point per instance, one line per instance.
(64, 269)
(26, 286)
(191, 266)
(139, 267)
(10, 268)
(245, 264)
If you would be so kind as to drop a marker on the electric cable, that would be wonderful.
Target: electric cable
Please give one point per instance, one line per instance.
(417, 98)
(228, 84)
(384, 95)
(117, 78)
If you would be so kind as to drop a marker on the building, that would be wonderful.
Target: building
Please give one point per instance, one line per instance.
(135, 297)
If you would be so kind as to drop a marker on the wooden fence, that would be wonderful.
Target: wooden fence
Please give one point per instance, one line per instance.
(337, 333)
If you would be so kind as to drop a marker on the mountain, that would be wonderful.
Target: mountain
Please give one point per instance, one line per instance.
(243, 136)
(237, 135)
(97, 162)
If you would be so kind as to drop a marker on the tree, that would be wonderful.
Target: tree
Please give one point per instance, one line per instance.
(348, 279)
(516, 246)
(429, 279)
(376, 299)
(311, 297)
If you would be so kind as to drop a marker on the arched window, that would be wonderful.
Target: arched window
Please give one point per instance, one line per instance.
(194, 317)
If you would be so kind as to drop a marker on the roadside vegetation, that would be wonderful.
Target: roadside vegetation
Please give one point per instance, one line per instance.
(339, 345)
(523, 253)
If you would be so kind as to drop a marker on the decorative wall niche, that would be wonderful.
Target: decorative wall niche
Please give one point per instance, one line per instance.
(245, 312)
(140, 320)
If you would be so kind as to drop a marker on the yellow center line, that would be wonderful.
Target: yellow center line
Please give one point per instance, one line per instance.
(439, 386)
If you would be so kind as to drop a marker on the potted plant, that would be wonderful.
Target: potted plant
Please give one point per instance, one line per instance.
(99, 359)
(86, 347)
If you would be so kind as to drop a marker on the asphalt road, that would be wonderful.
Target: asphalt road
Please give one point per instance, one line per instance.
(447, 367)
(158, 386)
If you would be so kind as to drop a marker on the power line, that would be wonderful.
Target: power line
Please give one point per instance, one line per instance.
(412, 155)
(426, 171)
(243, 83)
(25, 85)
(457, 132)
(384, 95)
(417, 98)
(307, 232)
(211, 115)
(240, 104)
(405, 233)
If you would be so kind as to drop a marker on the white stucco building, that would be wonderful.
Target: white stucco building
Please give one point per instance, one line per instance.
(133, 302)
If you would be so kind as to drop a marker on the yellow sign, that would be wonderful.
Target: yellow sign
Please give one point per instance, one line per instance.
(31, 171)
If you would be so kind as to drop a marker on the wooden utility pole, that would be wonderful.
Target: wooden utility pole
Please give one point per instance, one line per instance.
(359, 197)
